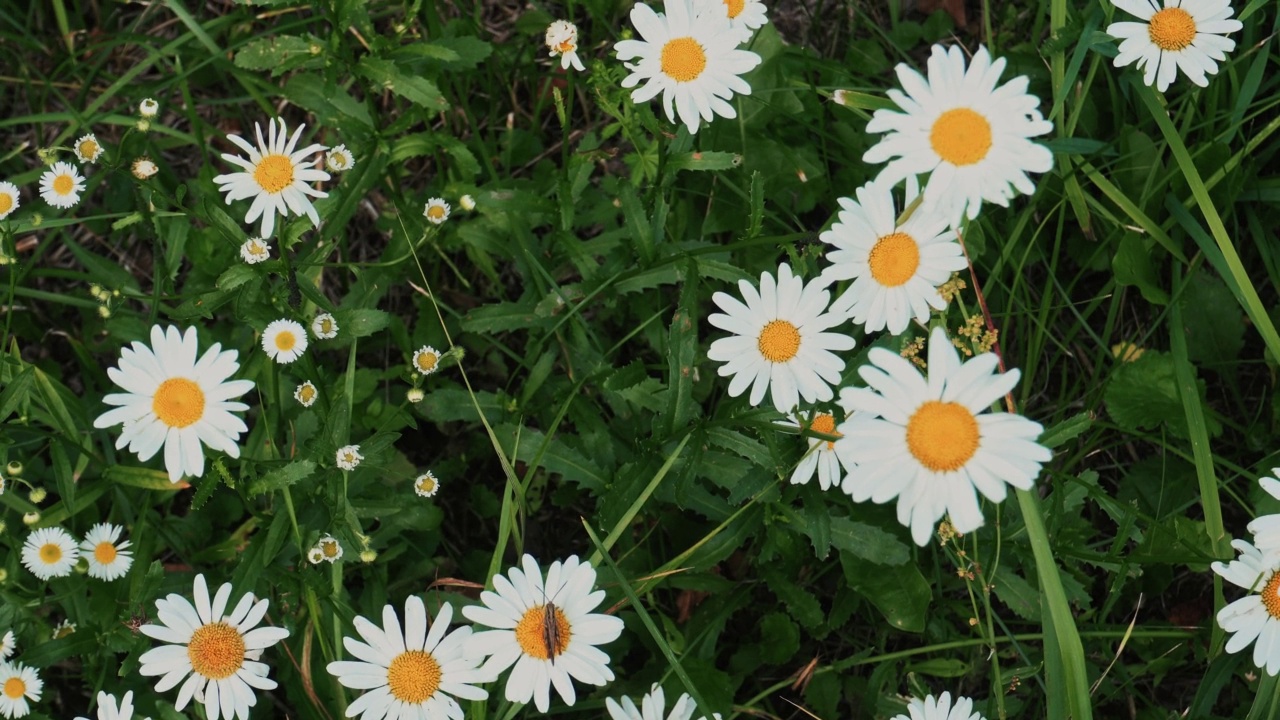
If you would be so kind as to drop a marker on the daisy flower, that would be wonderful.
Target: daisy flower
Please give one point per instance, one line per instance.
(562, 40)
(437, 211)
(690, 56)
(275, 176)
(410, 673)
(1254, 618)
(1266, 528)
(148, 108)
(315, 556)
(255, 250)
(745, 16)
(49, 553)
(330, 548)
(108, 710)
(467, 202)
(174, 401)
(8, 644)
(216, 651)
(144, 168)
(971, 137)
(779, 341)
(9, 200)
(284, 341)
(324, 326)
(519, 611)
(349, 457)
(306, 394)
(820, 456)
(896, 269)
(61, 185)
(931, 443)
(426, 484)
(87, 149)
(940, 708)
(339, 159)
(1184, 34)
(102, 548)
(652, 706)
(18, 684)
(426, 360)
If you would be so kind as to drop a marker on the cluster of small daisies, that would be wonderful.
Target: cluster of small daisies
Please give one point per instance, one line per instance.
(52, 552)
(327, 549)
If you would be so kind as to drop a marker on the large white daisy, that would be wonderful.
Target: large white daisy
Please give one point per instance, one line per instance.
(1184, 34)
(412, 674)
(1254, 618)
(175, 401)
(61, 185)
(690, 55)
(779, 341)
(821, 455)
(930, 442)
(216, 651)
(50, 552)
(9, 200)
(651, 707)
(745, 16)
(18, 685)
(547, 631)
(940, 708)
(109, 710)
(896, 269)
(275, 176)
(102, 548)
(971, 137)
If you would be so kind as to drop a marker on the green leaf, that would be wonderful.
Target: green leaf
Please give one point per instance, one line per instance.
(499, 317)
(1132, 266)
(235, 276)
(364, 322)
(899, 592)
(708, 160)
(1021, 597)
(471, 50)
(417, 90)
(1144, 393)
(332, 104)
(1066, 430)
(941, 667)
(867, 542)
(281, 53)
(17, 393)
(779, 638)
(145, 478)
(282, 477)
(801, 604)
(682, 351)
(1211, 319)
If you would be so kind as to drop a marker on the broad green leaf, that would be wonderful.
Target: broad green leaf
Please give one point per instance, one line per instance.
(332, 104)
(899, 592)
(1066, 430)
(417, 90)
(1132, 266)
(941, 667)
(235, 276)
(364, 322)
(1144, 393)
(779, 638)
(145, 478)
(281, 53)
(800, 603)
(1212, 320)
(867, 542)
(503, 316)
(282, 477)
(707, 160)
(1021, 596)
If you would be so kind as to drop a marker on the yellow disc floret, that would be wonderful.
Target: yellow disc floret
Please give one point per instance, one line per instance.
(1172, 29)
(178, 402)
(779, 341)
(961, 136)
(413, 676)
(274, 173)
(943, 436)
(894, 259)
(531, 633)
(683, 59)
(216, 650)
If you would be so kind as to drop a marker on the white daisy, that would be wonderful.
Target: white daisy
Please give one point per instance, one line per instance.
(9, 199)
(972, 138)
(562, 40)
(8, 644)
(940, 708)
(148, 108)
(544, 655)
(306, 394)
(690, 55)
(49, 553)
(255, 250)
(61, 185)
(652, 706)
(467, 202)
(144, 168)
(745, 16)
(324, 326)
(284, 341)
(330, 548)
(275, 176)
(896, 269)
(348, 457)
(1184, 34)
(87, 149)
(426, 484)
(1254, 618)
(216, 651)
(315, 556)
(1266, 528)
(174, 401)
(18, 684)
(779, 341)
(414, 673)
(426, 360)
(108, 710)
(930, 442)
(820, 456)
(437, 211)
(339, 159)
(102, 548)
(63, 629)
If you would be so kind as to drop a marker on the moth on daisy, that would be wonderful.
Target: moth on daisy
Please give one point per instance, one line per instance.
(108, 710)
(9, 200)
(87, 149)
(426, 484)
(61, 185)
(972, 138)
(275, 175)
(779, 342)
(284, 341)
(690, 55)
(895, 269)
(8, 644)
(411, 673)
(105, 552)
(348, 457)
(1255, 618)
(324, 326)
(930, 442)
(436, 211)
(174, 401)
(49, 553)
(18, 684)
(1184, 34)
(255, 250)
(306, 394)
(745, 16)
(339, 159)
(562, 40)
(144, 168)
(216, 651)
(426, 360)
(821, 455)
(521, 609)
(652, 706)
(940, 708)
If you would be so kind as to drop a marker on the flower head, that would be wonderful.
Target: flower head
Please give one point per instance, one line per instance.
(1184, 34)
(745, 16)
(437, 211)
(148, 108)
(174, 401)
(315, 555)
(348, 457)
(18, 684)
(306, 394)
(9, 200)
(61, 185)
(105, 552)
(87, 149)
(652, 705)
(324, 326)
(562, 40)
(284, 341)
(821, 455)
(940, 708)
(426, 484)
(1255, 618)
(690, 55)
(108, 710)
(49, 553)
(276, 176)
(255, 250)
(426, 360)
(144, 168)
(330, 548)
(339, 159)
(467, 202)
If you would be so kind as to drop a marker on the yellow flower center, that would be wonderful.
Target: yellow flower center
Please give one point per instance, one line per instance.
(274, 173)
(894, 259)
(779, 341)
(6, 203)
(566, 46)
(531, 633)
(735, 7)
(942, 435)
(339, 160)
(179, 402)
(285, 340)
(683, 59)
(50, 553)
(105, 553)
(14, 688)
(63, 184)
(1172, 29)
(1271, 596)
(307, 393)
(427, 361)
(216, 650)
(88, 148)
(961, 136)
(413, 677)
(329, 548)
(427, 484)
(436, 212)
(326, 326)
(825, 424)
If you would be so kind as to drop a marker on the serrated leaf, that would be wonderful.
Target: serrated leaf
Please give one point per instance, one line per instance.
(867, 542)
(707, 160)
(283, 477)
(280, 53)
(801, 604)
(470, 50)
(235, 276)
(364, 322)
(502, 316)
(332, 104)
(779, 638)
(1144, 393)
(417, 90)
(1066, 430)
(1016, 592)
(738, 443)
